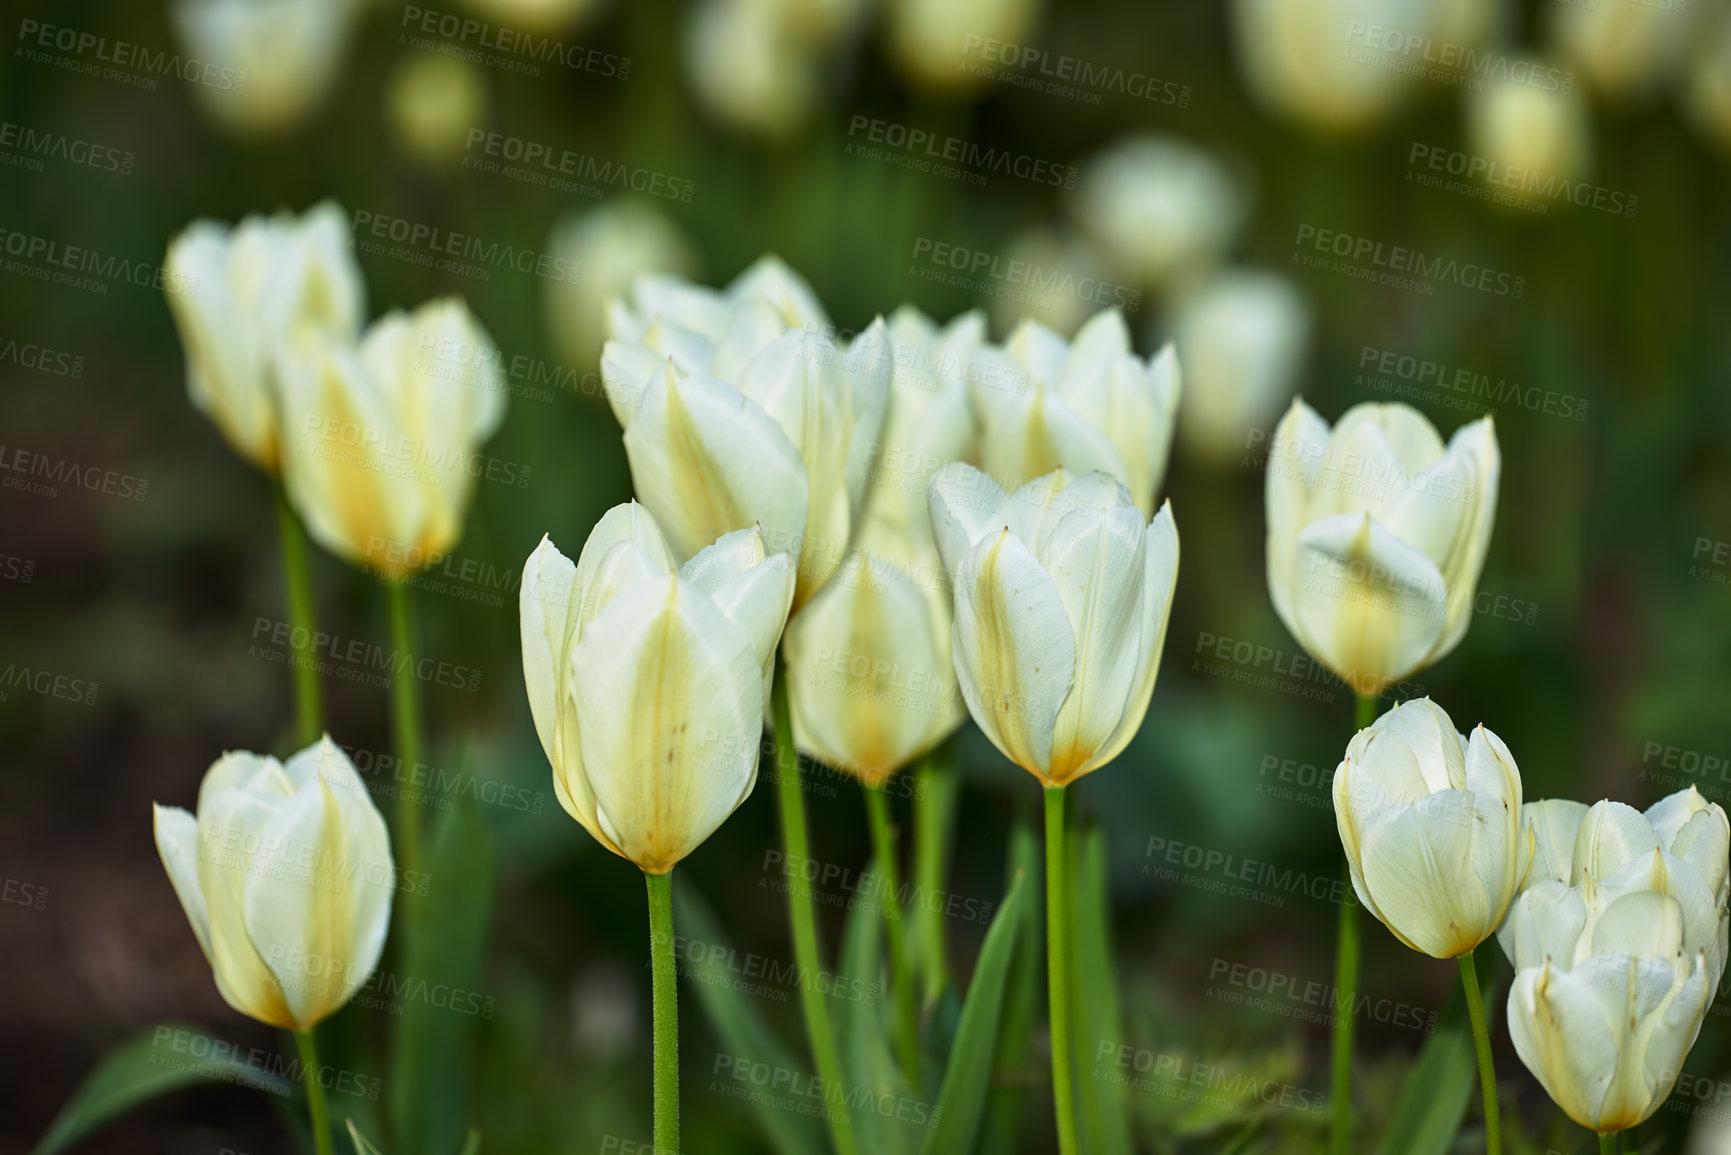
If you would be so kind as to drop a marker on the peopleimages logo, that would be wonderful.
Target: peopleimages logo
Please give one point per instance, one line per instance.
(981, 271)
(1447, 60)
(88, 53)
(433, 241)
(1523, 182)
(25, 147)
(1397, 265)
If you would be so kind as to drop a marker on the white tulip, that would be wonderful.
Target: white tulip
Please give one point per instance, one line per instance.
(750, 67)
(1707, 88)
(648, 683)
(280, 58)
(614, 244)
(1062, 595)
(1619, 944)
(1301, 60)
(871, 684)
(380, 442)
(248, 287)
(1376, 536)
(1160, 209)
(285, 874)
(1626, 48)
(1430, 821)
(433, 101)
(1062, 282)
(1089, 404)
(546, 17)
(929, 39)
(1241, 338)
(1533, 134)
(739, 408)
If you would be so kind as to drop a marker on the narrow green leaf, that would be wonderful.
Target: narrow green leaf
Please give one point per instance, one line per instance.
(936, 786)
(1443, 1081)
(742, 1030)
(363, 1145)
(1104, 1120)
(473, 1145)
(443, 952)
(1013, 1064)
(887, 1116)
(153, 1063)
(962, 1100)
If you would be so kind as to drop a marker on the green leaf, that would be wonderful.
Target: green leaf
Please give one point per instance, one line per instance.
(1103, 1119)
(1013, 1073)
(743, 1032)
(363, 1145)
(1441, 1084)
(962, 1100)
(937, 785)
(887, 1117)
(154, 1063)
(434, 982)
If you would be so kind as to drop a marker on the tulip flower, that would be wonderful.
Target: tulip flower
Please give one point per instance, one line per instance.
(739, 408)
(1064, 275)
(1619, 945)
(1521, 127)
(750, 68)
(271, 62)
(647, 684)
(432, 102)
(1707, 87)
(542, 17)
(613, 244)
(1241, 338)
(253, 284)
(1624, 51)
(934, 43)
(1161, 210)
(1376, 536)
(1430, 821)
(1063, 590)
(249, 288)
(1301, 61)
(1088, 405)
(285, 874)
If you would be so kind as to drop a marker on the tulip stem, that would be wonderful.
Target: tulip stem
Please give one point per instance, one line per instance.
(297, 584)
(804, 919)
(664, 997)
(1346, 991)
(320, 1114)
(1058, 968)
(935, 788)
(1482, 1042)
(1608, 1144)
(884, 850)
(406, 717)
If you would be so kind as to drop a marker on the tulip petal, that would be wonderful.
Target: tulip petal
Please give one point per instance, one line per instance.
(1043, 352)
(1563, 1029)
(1477, 445)
(1612, 835)
(232, 821)
(1015, 653)
(1028, 435)
(1545, 923)
(545, 601)
(1159, 580)
(670, 692)
(1495, 783)
(177, 844)
(1669, 814)
(1294, 463)
(1555, 823)
(1704, 843)
(1641, 924)
(1418, 867)
(966, 505)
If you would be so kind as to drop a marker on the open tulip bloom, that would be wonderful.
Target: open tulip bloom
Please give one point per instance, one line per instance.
(647, 683)
(1430, 821)
(1062, 593)
(1618, 940)
(285, 873)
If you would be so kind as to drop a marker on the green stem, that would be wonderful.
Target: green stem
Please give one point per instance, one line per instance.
(804, 919)
(884, 850)
(664, 997)
(1608, 1144)
(406, 717)
(1346, 957)
(1058, 969)
(316, 1108)
(936, 785)
(1482, 1041)
(297, 584)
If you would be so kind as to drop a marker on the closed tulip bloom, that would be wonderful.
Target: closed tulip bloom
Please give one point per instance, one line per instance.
(1089, 404)
(382, 453)
(285, 874)
(751, 67)
(1057, 257)
(248, 287)
(1430, 821)
(1707, 87)
(934, 43)
(1626, 50)
(1062, 593)
(279, 57)
(1160, 209)
(1617, 963)
(613, 245)
(648, 682)
(1241, 338)
(1541, 132)
(738, 409)
(545, 17)
(1315, 62)
(433, 102)
(1376, 536)
(870, 683)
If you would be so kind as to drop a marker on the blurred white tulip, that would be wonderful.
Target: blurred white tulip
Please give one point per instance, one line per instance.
(276, 59)
(1160, 210)
(546, 17)
(1376, 536)
(738, 407)
(433, 100)
(870, 682)
(648, 683)
(285, 874)
(1430, 821)
(1312, 61)
(1064, 286)
(1618, 961)
(1625, 48)
(1707, 89)
(380, 442)
(1081, 405)
(614, 244)
(750, 67)
(1529, 133)
(1062, 595)
(249, 286)
(1242, 338)
(932, 42)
